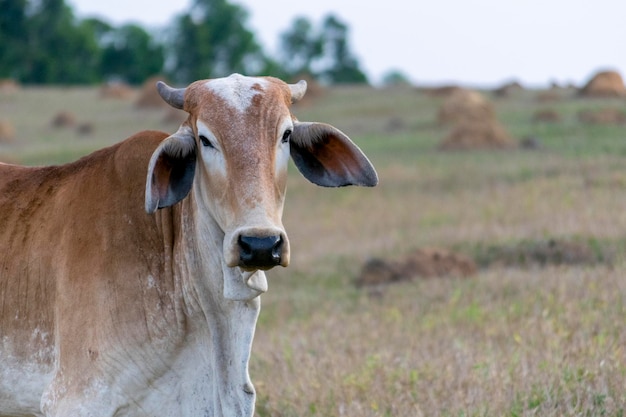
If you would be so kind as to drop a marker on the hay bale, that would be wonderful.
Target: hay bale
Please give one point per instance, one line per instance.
(465, 106)
(7, 132)
(8, 85)
(116, 90)
(546, 116)
(149, 97)
(64, 119)
(174, 116)
(477, 135)
(604, 116)
(314, 90)
(604, 84)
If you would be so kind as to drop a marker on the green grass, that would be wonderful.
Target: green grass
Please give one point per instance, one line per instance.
(517, 339)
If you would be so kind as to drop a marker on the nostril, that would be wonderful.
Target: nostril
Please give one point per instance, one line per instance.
(244, 246)
(277, 249)
(260, 252)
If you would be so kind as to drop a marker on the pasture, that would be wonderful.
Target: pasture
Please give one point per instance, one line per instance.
(516, 339)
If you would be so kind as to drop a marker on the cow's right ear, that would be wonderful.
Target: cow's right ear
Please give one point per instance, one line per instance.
(327, 157)
(171, 170)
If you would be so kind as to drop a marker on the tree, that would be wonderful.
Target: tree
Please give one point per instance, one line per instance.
(394, 78)
(323, 53)
(41, 42)
(211, 40)
(342, 67)
(300, 47)
(12, 29)
(130, 53)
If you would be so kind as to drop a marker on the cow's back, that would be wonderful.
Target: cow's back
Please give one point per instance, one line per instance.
(63, 230)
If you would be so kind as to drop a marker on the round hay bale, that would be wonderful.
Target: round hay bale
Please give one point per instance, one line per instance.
(174, 116)
(438, 262)
(149, 97)
(605, 116)
(116, 90)
(604, 84)
(64, 119)
(546, 116)
(314, 90)
(8, 85)
(465, 106)
(477, 135)
(7, 132)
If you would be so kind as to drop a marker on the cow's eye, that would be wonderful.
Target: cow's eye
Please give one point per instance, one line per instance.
(286, 136)
(206, 142)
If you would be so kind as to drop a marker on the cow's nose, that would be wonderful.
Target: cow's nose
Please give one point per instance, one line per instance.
(260, 252)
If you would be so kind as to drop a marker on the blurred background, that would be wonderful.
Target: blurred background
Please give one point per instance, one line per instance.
(483, 276)
(479, 42)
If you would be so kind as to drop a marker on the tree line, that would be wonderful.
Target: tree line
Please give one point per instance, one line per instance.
(43, 42)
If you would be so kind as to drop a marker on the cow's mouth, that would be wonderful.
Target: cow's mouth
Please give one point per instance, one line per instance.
(242, 285)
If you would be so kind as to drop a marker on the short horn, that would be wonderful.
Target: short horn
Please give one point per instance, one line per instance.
(297, 90)
(175, 97)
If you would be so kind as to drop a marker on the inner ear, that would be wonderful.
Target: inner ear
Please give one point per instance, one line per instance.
(327, 157)
(171, 171)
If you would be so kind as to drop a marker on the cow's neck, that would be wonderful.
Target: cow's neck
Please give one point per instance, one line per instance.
(222, 340)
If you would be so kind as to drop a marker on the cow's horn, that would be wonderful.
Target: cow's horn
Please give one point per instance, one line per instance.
(297, 90)
(175, 97)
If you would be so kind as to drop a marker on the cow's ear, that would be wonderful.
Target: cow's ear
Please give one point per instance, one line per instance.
(171, 170)
(327, 157)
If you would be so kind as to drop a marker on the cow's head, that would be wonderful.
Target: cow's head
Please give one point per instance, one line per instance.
(233, 151)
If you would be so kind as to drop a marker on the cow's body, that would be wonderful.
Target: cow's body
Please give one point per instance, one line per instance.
(107, 310)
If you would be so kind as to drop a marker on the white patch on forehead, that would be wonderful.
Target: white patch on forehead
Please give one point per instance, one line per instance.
(237, 90)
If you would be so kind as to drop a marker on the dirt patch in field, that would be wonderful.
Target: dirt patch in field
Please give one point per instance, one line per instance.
(438, 262)
(422, 263)
(545, 252)
(604, 84)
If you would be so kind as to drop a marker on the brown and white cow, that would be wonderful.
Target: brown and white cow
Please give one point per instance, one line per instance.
(112, 307)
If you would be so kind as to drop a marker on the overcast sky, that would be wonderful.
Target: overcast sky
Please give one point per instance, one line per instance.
(477, 42)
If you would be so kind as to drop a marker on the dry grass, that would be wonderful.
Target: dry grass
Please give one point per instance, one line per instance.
(510, 341)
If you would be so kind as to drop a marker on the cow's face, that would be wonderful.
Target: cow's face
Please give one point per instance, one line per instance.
(233, 152)
(242, 127)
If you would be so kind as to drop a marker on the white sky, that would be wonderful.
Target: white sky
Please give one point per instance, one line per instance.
(478, 42)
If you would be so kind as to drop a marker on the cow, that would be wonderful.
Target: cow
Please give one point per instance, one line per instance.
(130, 280)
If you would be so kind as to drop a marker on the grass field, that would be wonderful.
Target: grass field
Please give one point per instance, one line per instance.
(513, 340)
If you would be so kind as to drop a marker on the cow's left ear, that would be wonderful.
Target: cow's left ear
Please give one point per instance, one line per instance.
(327, 157)
(171, 170)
